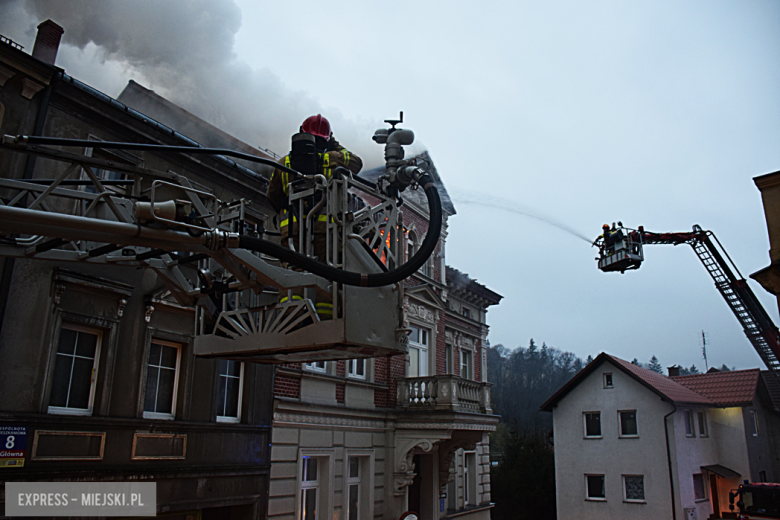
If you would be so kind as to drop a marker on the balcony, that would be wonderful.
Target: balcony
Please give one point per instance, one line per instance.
(443, 392)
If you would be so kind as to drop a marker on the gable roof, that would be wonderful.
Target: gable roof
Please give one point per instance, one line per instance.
(667, 389)
(734, 388)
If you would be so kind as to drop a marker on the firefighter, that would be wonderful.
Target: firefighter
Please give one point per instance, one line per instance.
(603, 236)
(330, 155)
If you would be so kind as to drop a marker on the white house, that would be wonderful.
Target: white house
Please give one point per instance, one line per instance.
(631, 443)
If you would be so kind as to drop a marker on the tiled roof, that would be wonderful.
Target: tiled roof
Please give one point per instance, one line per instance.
(733, 388)
(671, 389)
(668, 390)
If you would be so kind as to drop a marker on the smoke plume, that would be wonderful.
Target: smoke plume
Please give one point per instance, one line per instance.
(182, 50)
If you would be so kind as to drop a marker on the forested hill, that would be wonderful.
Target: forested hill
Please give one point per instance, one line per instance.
(524, 378)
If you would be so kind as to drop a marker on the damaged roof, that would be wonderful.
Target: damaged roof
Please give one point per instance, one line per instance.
(458, 281)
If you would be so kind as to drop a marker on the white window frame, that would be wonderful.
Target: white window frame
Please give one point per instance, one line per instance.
(352, 371)
(690, 427)
(467, 363)
(305, 485)
(422, 351)
(227, 418)
(411, 244)
(470, 478)
(585, 425)
(704, 487)
(609, 381)
(161, 415)
(449, 359)
(604, 487)
(704, 427)
(317, 366)
(620, 425)
(367, 470)
(325, 482)
(64, 410)
(625, 490)
(353, 482)
(754, 423)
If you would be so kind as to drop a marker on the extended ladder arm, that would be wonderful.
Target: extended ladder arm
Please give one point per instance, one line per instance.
(758, 326)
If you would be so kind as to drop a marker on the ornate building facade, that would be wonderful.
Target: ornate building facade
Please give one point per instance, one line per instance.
(372, 439)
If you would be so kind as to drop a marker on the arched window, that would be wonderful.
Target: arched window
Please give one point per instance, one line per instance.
(411, 244)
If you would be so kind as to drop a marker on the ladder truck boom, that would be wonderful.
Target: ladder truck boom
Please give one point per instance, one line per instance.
(254, 299)
(621, 249)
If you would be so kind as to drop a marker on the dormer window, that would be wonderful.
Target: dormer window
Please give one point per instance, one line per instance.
(608, 381)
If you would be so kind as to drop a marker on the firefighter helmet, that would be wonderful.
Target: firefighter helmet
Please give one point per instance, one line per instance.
(317, 125)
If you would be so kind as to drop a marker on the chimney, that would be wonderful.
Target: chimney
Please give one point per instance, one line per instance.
(47, 42)
(674, 370)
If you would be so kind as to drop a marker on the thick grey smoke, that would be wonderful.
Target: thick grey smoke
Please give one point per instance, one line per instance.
(183, 50)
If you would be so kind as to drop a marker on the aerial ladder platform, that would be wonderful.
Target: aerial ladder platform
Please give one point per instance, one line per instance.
(255, 300)
(622, 250)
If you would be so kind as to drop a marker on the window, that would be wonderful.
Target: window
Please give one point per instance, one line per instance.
(689, 427)
(466, 312)
(703, 431)
(162, 379)
(356, 368)
(229, 390)
(418, 352)
(699, 490)
(753, 426)
(353, 485)
(762, 476)
(592, 421)
(427, 268)
(469, 478)
(608, 381)
(411, 245)
(75, 370)
(317, 366)
(634, 488)
(310, 484)
(466, 364)
(627, 421)
(116, 156)
(594, 487)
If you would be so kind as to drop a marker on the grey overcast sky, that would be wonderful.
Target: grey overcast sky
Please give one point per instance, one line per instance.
(657, 113)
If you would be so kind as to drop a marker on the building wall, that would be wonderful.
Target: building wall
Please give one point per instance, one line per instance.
(611, 456)
(722, 446)
(332, 416)
(758, 443)
(224, 466)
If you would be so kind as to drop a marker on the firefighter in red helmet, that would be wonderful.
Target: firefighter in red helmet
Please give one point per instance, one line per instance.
(329, 156)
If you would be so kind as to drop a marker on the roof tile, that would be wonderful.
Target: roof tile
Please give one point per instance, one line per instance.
(733, 388)
(673, 390)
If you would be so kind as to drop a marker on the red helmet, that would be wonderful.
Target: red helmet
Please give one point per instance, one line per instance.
(317, 125)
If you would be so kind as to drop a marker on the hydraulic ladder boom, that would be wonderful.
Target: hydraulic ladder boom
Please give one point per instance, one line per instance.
(756, 323)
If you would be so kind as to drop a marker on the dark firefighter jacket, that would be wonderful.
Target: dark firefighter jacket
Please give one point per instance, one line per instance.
(278, 187)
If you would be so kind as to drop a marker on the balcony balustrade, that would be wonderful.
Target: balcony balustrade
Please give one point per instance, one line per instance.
(443, 392)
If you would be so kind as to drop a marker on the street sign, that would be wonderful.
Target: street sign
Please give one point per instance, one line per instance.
(13, 446)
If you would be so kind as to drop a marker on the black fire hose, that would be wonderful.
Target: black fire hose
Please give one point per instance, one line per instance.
(361, 279)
